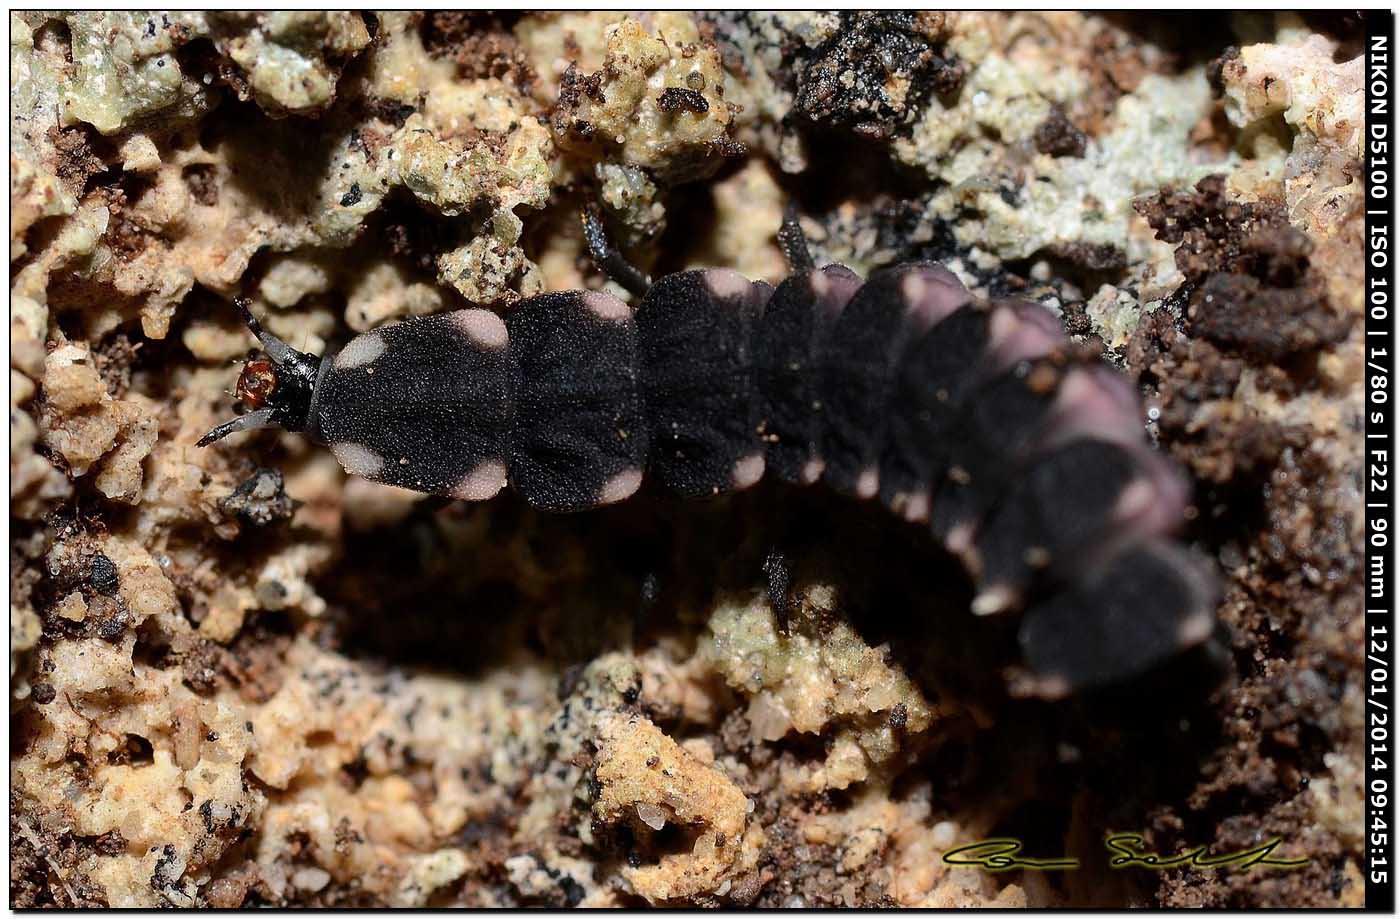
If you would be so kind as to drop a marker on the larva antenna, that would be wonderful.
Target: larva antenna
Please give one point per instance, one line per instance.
(252, 421)
(275, 347)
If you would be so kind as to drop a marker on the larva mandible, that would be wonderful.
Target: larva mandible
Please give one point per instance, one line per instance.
(1025, 456)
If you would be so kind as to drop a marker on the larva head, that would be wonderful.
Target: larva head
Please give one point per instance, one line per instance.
(275, 388)
(257, 383)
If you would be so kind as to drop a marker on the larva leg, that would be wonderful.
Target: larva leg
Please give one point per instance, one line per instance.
(608, 259)
(793, 242)
(779, 580)
(648, 599)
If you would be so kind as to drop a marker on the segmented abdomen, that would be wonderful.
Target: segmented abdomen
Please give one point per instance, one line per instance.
(1025, 458)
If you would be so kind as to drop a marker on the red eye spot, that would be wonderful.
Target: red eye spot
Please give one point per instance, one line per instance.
(257, 383)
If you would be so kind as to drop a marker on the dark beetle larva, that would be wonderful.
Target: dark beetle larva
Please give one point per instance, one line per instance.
(980, 420)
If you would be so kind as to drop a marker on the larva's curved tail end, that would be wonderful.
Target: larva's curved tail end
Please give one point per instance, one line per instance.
(1143, 608)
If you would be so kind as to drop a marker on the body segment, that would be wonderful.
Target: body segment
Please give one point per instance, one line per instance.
(424, 405)
(579, 437)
